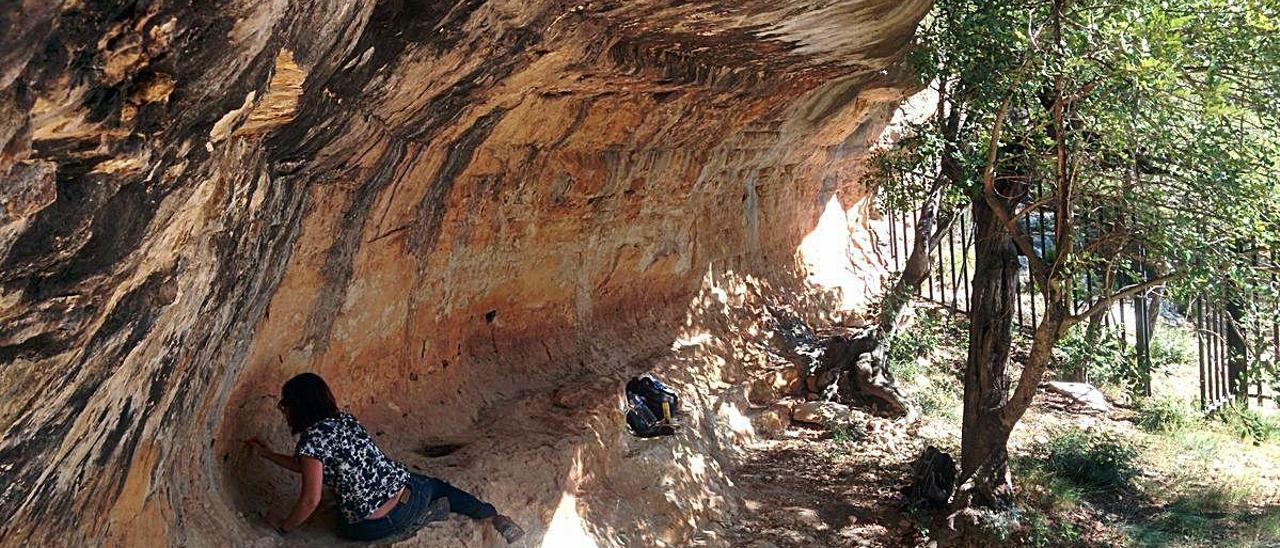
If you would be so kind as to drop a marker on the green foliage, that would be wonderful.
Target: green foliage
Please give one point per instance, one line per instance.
(1154, 127)
(1205, 513)
(1044, 531)
(1170, 346)
(919, 341)
(1000, 526)
(1149, 131)
(1249, 424)
(912, 358)
(940, 397)
(1111, 362)
(848, 433)
(1093, 461)
(1197, 493)
(1047, 500)
(1030, 527)
(920, 518)
(1104, 357)
(845, 437)
(1045, 490)
(1264, 529)
(1164, 414)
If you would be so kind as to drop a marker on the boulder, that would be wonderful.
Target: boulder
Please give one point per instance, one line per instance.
(823, 413)
(772, 422)
(761, 392)
(1082, 393)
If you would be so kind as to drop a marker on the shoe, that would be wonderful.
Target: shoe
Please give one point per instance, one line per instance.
(507, 528)
(437, 510)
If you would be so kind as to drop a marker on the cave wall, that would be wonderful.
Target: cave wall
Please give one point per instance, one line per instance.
(445, 208)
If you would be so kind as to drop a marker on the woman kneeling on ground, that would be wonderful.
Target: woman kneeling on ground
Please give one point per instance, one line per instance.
(377, 496)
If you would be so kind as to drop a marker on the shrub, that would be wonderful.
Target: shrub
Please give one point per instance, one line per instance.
(920, 340)
(1164, 414)
(1249, 424)
(1171, 346)
(940, 397)
(847, 433)
(1199, 514)
(1104, 358)
(1096, 462)
(996, 524)
(1028, 527)
(1043, 531)
(1110, 361)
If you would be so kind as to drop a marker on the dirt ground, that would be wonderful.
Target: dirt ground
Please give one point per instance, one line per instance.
(1202, 485)
(809, 489)
(814, 487)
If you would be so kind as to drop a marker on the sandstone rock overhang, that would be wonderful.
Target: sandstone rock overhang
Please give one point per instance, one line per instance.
(446, 208)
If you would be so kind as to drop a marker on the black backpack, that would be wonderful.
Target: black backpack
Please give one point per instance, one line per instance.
(933, 480)
(661, 400)
(641, 420)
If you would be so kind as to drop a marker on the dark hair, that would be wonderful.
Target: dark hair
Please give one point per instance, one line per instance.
(307, 400)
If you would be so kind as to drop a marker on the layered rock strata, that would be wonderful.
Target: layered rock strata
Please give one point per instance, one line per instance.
(472, 217)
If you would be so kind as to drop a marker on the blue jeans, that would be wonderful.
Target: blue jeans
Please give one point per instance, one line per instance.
(410, 514)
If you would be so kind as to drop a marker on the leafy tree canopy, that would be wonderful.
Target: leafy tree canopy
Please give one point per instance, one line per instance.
(1146, 132)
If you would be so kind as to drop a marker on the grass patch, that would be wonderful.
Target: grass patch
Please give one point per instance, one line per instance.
(1205, 490)
(1165, 415)
(1045, 490)
(1262, 529)
(921, 358)
(1102, 358)
(847, 433)
(1055, 485)
(845, 436)
(910, 350)
(1045, 530)
(1095, 462)
(1177, 479)
(1203, 515)
(1248, 424)
(1183, 458)
(1078, 479)
(1109, 360)
(1028, 526)
(939, 397)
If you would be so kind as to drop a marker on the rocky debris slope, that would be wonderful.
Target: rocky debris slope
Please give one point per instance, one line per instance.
(452, 210)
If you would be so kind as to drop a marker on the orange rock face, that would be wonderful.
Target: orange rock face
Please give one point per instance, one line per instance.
(473, 218)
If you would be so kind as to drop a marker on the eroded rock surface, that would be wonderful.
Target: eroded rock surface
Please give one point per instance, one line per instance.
(451, 210)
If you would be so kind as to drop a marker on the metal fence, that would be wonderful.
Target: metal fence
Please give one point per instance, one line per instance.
(1212, 328)
(952, 265)
(951, 275)
(1238, 343)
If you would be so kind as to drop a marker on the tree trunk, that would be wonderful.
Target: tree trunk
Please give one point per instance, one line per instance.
(1154, 301)
(867, 375)
(1237, 351)
(871, 370)
(854, 367)
(916, 270)
(984, 435)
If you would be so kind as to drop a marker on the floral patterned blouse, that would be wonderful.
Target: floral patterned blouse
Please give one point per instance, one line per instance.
(362, 477)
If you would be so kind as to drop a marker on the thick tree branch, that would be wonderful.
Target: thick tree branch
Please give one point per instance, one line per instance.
(1031, 207)
(934, 223)
(1046, 336)
(997, 206)
(1106, 302)
(1063, 226)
